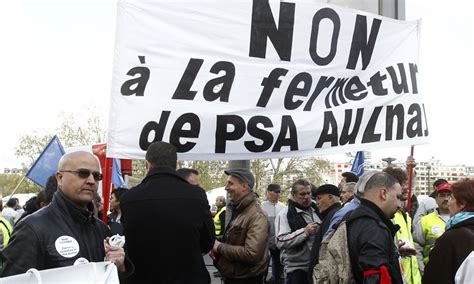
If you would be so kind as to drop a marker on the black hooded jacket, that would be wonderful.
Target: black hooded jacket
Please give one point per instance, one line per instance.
(371, 243)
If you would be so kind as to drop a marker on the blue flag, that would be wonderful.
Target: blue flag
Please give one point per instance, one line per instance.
(358, 165)
(47, 162)
(117, 178)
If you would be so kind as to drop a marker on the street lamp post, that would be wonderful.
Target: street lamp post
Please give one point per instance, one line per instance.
(389, 161)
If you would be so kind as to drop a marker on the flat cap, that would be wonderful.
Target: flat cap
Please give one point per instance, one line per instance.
(327, 188)
(242, 174)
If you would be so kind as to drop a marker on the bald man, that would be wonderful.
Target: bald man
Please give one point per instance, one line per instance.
(65, 232)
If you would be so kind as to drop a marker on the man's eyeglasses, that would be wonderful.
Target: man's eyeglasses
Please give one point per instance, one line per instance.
(84, 173)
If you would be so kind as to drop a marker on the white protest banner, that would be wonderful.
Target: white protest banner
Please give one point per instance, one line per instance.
(262, 79)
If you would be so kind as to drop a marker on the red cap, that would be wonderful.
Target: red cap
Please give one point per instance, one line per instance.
(444, 186)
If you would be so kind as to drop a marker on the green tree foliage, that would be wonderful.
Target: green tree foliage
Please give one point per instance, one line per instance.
(261, 172)
(211, 173)
(8, 182)
(284, 171)
(71, 132)
(30, 146)
(139, 168)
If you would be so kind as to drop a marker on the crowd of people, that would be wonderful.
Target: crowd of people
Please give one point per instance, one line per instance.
(358, 231)
(386, 242)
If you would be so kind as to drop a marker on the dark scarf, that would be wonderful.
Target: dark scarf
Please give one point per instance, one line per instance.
(79, 214)
(246, 199)
(234, 205)
(329, 210)
(295, 220)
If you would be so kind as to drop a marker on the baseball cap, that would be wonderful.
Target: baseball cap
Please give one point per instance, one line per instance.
(327, 188)
(444, 186)
(274, 187)
(242, 174)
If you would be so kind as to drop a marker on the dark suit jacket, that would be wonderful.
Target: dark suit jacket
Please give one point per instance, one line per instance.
(168, 226)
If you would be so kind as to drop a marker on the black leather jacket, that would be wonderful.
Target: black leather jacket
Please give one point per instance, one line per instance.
(55, 236)
(371, 243)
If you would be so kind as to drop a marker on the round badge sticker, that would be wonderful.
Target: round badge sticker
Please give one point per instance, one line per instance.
(80, 261)
(436, 230)
(67, 246)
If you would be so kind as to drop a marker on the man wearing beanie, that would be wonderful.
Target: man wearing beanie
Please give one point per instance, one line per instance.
(328, 202)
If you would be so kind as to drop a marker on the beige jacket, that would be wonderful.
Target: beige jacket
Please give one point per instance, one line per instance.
(244, 251)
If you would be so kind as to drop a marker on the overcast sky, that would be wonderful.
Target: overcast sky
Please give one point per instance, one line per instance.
(56, 56)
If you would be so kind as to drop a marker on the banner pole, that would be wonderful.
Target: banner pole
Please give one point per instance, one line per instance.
(106, 186)
(410, 179)
(17, 186)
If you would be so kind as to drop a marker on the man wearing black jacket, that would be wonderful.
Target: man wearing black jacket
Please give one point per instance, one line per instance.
(374, 256)
(65, 232)
(167, 223)
(328, 202)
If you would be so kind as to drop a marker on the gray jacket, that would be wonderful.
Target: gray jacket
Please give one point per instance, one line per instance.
(272, 210)
(287, 241)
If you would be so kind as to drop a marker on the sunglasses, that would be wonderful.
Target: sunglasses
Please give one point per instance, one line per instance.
(84, 173)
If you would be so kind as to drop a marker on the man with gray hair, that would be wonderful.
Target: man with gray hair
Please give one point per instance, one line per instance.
(242, 255)
(370, 231)
(347, 192)
(295, 228)
(351, 205)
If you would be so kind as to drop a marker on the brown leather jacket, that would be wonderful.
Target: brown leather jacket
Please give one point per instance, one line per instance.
(244, 251)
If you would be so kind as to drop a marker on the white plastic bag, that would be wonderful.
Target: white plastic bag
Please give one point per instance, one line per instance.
(93, 272)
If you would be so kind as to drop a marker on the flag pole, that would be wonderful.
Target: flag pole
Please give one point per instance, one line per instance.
(106, 185)
(410, 179)
(17, 186)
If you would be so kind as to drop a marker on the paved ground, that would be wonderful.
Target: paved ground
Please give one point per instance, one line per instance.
(212, 269)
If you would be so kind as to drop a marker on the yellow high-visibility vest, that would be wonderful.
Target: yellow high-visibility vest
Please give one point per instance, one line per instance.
(217, 221)
(7, 229)
(411, 272)
(433, 227)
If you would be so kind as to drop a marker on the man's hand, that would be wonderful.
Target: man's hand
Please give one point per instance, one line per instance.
(311, 228)
(405, 251)
(216, 245)
(115, 255)
(410, 162)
